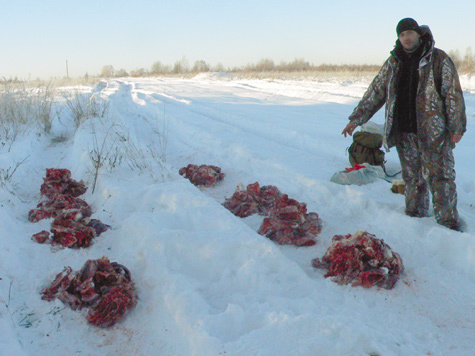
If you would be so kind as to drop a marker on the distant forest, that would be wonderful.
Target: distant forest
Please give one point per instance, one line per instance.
(263, 66)
(465, 64)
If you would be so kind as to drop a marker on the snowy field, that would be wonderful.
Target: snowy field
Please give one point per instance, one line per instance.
(208, 284)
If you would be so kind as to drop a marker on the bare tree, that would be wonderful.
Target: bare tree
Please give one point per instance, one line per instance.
(219, 68)
(200, 66)
(121, 73)
(107, 71)
(468, 64)
(265, 65)
(181, 66)
(139, 72)
(159, 68)
(456, 58)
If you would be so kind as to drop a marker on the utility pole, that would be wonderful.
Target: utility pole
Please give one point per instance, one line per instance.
(67, 70)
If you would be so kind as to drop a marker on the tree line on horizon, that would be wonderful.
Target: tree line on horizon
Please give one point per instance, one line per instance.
(465, 65)
(264, 65)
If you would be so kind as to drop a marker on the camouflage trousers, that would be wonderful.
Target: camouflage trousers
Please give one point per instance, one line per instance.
(426, 170)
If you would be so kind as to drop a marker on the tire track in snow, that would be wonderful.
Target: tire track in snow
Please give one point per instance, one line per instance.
(254, 161)
(265, 163)
(213, 123)
(301, 186)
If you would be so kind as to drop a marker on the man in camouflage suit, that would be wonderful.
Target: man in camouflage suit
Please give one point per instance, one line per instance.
(425, 118)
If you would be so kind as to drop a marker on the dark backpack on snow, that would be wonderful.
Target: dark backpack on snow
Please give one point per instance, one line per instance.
(366, 148)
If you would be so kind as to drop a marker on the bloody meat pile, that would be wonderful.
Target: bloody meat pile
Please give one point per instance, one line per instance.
(361, 259)
(72, 225)
(103, 286)
(287, 221)
(252, 200)
(204, 175)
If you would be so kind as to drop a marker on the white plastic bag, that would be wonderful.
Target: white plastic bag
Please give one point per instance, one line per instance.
(373, 128)
(361, 176)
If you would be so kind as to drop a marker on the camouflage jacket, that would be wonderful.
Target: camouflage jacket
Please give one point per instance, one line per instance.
(440, 107)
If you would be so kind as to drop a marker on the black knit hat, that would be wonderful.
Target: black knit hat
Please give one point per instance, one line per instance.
(407, 24)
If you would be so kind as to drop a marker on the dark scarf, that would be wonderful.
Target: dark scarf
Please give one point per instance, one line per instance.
(406, 116)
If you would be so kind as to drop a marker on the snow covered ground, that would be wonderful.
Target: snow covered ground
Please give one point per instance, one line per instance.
(208, 284)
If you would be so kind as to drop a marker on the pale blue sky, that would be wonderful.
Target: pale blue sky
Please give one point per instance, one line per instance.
(37, 37)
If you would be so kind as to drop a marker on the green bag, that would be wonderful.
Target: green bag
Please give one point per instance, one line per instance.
(366, 148)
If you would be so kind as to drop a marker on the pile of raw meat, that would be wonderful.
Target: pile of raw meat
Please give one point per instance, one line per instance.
(252, 200)
(72, 225)
(204, 175)
(105, 287)
(362, 259)
(287, 221)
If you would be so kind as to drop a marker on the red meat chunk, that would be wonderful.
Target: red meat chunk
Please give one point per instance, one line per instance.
(361, 259)
(105, 287)
(252, 200)
(58, 181)
(204, 175)
(289, 223)
(57, 205)
(112, 306)
(72, 226)
(41, 237)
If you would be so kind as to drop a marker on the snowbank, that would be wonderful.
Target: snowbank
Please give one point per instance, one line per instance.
(208, 284)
